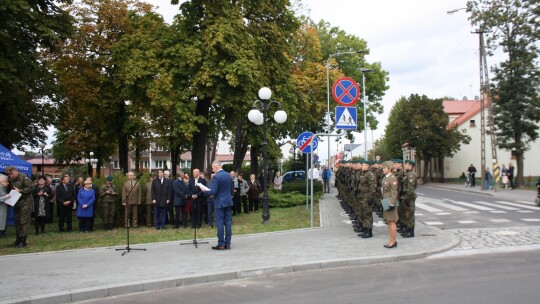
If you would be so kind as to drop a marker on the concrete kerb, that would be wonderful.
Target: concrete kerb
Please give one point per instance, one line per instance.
(172, 282)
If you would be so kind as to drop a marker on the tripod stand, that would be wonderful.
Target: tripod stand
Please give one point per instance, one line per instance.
(195, 242)
(129, 249)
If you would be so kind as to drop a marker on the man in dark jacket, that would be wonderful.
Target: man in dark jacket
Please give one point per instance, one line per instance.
(65, 196)
(161, 194)
(197, 197)
(180, 192)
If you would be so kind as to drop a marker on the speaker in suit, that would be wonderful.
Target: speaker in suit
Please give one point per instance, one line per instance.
(161, 194)
(221, 189)
(65, 196)
(197, 197)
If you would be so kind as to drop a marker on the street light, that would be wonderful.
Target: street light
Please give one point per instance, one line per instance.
(258, 118)
(91, 162)
(328, 91)
(364, 71)
(42, 150)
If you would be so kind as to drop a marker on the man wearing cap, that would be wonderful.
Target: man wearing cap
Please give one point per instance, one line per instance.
(109, 195)
(408, 198)
(23, 208)
(148, 201)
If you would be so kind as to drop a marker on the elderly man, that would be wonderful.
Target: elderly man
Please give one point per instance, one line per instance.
(23, 208)
(131, 199)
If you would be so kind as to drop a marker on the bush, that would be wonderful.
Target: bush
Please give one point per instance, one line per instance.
(300, 186)
(285, 200)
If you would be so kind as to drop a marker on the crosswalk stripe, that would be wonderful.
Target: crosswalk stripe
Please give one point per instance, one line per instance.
(450, 206)
(427, 208)
(498, 211)
(497, 205)
(527, 202)
(433, 223)
(467, 222)
(518, 205)
(473, 206)
(531, 220)
(500, 220)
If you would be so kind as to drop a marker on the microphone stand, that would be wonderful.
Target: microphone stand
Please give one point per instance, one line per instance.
(195, 242)
(129, 249)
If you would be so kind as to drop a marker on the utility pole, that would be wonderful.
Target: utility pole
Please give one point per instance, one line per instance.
(486, 100)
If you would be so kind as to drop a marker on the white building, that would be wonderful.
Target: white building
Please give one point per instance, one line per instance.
(465, 115)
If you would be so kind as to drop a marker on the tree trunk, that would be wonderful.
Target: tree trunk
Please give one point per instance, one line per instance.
(426, 171)
(254, 160)
(123, 152)
(200, 138)
(175, 156)
(240, 147)
(520, 180)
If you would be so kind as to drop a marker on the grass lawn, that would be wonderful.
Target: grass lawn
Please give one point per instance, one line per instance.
(280, 219)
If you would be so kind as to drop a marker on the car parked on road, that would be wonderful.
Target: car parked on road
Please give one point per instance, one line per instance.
(291, 176)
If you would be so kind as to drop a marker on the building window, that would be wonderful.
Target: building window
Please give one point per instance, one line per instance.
(116, 164)
(472, 123)
(158, 164)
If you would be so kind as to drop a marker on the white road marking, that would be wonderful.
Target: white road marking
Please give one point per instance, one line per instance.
(433, 223)
(519, 205)
(498, 211)
(467, 222)
(500, 206)
(528, 203)
(379, 224)
(525, 211)
(427, 208)
(500, 220)
(471, 212)
(443, 213)
(473, 206)
(531, 220)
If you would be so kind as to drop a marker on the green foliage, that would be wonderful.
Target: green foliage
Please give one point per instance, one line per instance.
(422, 123)
(513, 26)
(300, 187)
(29, 31)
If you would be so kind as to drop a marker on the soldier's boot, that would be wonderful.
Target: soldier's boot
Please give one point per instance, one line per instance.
(409, 233)
(22, 243)
(367, 234)
(359, 229)
(16, 243)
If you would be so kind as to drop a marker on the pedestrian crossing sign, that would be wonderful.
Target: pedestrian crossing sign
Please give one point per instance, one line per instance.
(346, 118)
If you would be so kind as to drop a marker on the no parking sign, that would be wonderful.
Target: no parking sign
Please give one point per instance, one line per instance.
(346, 91)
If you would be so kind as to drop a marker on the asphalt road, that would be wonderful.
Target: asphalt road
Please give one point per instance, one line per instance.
(447, 209)
(494, 278)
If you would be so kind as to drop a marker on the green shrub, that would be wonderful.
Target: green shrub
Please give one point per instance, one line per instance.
(300, 186)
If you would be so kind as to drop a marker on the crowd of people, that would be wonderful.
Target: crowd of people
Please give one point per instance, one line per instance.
(507, 177)
(178, 202)
(388, 189)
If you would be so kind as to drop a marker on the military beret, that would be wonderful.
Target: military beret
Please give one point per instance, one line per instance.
(410, 162)
(397, 161)
(109, 178)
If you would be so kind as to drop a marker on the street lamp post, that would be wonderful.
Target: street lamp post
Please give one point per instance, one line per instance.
(364, 71)
(258, 118)
(42, 151)
(328, 91)
(91, 161)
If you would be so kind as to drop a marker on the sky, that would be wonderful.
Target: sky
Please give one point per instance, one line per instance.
(424, 49)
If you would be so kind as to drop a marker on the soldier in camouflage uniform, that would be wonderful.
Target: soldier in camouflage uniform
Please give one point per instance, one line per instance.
(408, 198)
(356, 175)
(23, 208)
(376, 168)
(398, 173)
(368, 186)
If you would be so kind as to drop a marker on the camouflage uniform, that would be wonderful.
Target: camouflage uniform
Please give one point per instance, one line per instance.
(408, 197)
(368, 186)
(23, 207)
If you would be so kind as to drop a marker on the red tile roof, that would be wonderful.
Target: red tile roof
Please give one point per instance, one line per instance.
(463, 109)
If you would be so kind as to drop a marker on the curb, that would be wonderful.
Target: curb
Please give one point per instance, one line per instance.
(110, 290)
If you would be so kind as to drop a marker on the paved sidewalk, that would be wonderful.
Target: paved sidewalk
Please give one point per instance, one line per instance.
(71, 276)
(517, 194)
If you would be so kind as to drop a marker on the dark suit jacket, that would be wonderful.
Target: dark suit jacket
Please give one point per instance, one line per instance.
(221, 187)
(180, 191)
(161, 192)
(63, 195)
(195, 190)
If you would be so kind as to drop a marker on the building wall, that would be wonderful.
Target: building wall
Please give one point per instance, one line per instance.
(470, 154)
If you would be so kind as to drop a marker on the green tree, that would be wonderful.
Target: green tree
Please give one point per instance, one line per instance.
(233, 49)
(29, 30)
(422, 122)
(513, 26)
